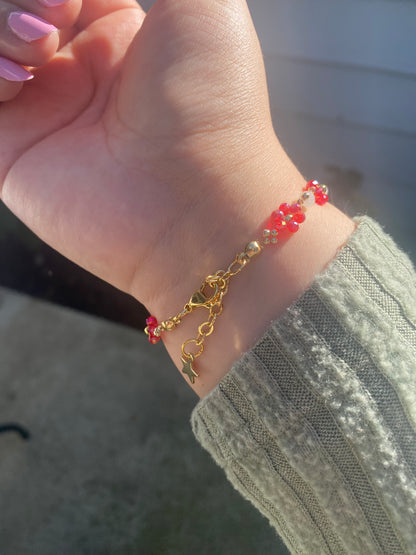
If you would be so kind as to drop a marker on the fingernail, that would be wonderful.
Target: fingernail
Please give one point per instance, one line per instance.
(52, 3)
(13, 72)
(29, 27)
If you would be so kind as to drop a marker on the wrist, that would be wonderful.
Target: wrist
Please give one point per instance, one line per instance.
(225, 209)
(271, 283)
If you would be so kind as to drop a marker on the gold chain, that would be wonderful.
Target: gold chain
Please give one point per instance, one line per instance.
(210, 295)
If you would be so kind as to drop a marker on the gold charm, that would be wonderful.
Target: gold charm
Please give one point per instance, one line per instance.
(188, 370)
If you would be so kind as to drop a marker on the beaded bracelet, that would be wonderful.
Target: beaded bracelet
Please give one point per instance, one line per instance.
(210, 295)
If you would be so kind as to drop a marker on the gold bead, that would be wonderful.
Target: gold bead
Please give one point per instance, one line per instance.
(274, 240)
(267, 241)
(274, 233)
(266, 233)
(324, 189)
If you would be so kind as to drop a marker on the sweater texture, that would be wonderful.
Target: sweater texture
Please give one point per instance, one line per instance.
(316, 424)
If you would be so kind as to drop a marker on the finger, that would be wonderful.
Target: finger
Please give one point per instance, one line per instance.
(12, 77)
(26, 38)
(66, 35)
(61, 13)
(28, 29)
(96, 9)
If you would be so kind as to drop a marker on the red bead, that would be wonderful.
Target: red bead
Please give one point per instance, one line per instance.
(277, 215)
(277, 220)
(295, 208)
(293, 226)
(299, 218)
(310, 184)
(151, 321)
(322, 199)
(285, 208)
(150, 330)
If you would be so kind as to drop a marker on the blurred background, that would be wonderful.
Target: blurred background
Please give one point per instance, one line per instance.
(342, 80)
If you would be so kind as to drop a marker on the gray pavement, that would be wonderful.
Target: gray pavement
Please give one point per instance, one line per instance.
(112, 466)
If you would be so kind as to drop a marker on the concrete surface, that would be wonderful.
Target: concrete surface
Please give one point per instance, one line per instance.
(112, 466)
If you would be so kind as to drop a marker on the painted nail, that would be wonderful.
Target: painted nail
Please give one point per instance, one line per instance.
(29, 27)
(13, 72)
(52, 3)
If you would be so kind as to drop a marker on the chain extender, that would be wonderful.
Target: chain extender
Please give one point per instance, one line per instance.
(210, 295)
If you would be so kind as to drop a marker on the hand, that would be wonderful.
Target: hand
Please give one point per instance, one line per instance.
(144, 149)
(117, 152)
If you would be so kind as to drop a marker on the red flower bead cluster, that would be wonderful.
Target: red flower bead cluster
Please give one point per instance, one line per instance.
(287, 217)
(290, 216)
(152, 324)
(320, 192)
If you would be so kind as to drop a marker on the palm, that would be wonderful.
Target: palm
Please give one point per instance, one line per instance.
(98, 153)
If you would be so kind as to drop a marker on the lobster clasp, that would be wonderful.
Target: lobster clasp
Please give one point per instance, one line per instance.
(206, 295)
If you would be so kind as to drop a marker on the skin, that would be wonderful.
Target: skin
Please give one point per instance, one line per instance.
(144, 150)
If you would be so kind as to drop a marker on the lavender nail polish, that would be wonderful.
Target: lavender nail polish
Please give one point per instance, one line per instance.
(13, 72)
(29, 27)
(52, 3)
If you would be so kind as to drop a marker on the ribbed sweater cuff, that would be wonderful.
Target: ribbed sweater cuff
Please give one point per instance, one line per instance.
(315, 425)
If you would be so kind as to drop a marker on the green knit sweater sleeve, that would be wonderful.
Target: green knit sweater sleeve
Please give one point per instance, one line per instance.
(316, 424)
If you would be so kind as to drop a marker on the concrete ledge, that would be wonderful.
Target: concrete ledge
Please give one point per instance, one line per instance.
(112, 466)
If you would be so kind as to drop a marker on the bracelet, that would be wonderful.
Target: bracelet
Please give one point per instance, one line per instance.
(214, 287)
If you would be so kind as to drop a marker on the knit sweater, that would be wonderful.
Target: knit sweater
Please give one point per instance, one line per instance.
(316, 424)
